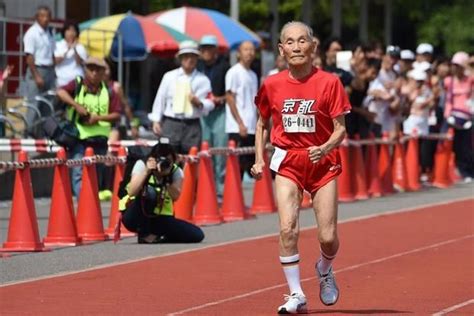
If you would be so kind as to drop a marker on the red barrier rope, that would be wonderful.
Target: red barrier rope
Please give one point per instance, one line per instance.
(44, 145)
(52, 162)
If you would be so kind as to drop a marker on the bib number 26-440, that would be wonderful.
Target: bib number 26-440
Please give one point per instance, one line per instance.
(299, 123)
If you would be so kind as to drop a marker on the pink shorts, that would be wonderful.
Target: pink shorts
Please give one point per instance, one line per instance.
(295, 165)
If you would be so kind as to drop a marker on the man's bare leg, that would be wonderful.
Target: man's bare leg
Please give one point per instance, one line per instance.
(325, 208)
(289, 198)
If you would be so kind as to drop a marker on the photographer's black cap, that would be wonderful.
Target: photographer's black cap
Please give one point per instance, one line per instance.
(163, 148)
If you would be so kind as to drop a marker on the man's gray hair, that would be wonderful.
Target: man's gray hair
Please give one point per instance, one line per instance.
(287, 25)
(43, 7)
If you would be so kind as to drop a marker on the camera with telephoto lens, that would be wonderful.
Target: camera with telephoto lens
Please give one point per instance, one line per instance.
(164, 163)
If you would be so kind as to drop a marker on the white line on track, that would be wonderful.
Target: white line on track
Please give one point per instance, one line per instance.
(349, 268)
(109, 265)
(453, 308)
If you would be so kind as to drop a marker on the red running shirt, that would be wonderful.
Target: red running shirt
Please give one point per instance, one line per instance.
(302, 110)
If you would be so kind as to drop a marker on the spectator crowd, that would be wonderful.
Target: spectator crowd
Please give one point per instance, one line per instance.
(392, 91)
(397, 92)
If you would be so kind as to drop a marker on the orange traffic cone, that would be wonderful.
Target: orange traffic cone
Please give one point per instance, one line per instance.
(374, 185)
(206, 211)
(441, 175)
(358, 167)
(344, 183)
(385, 169)
(23, 232)
(233, 207)
(89, 213)
(306, 200)
(62, 229)
(399, 170)
(183, 207)
(114, 214)
(413, 164)
(263, 198)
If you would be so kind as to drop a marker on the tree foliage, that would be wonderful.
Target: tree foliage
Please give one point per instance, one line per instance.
(451, 28)
(447, 24)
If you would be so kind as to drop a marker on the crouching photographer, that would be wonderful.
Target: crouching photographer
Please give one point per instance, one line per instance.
(155, 183)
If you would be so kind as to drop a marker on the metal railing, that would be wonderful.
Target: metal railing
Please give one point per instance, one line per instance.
(43, 107)
(18, 54)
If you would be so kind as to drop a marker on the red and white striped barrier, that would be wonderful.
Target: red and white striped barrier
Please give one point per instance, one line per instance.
(45, 145)
(28, 145)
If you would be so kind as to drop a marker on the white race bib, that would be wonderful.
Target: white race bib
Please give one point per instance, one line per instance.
(299, 123)
(277, 159)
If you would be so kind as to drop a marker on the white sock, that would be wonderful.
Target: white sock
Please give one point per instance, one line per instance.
(325, 263)
(291, 268)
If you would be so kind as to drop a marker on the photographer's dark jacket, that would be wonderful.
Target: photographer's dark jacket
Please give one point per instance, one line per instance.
(167, 208)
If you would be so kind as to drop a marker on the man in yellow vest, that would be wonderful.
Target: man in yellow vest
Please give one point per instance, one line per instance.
(92, 106)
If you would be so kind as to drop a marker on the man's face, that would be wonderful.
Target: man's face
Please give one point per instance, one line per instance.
(443, 70)
(247, 52)
(387, 62)
(95, 74)
(360, 67)
(331, 53)
(280, 63)
(371, 73)
(457, 69)
(358, 56)
(188, 61)
(107, 74)
(296, 46)
(405, 64)
(43, 17)
(427, 57)
(208, 53)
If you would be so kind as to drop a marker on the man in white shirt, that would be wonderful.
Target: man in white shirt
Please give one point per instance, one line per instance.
(39, 48)
(241, 86)
(182, 98)
(383, 100)
(215, 67)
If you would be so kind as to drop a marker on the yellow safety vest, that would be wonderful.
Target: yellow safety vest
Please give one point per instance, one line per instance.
(166, 210)
(95, 104)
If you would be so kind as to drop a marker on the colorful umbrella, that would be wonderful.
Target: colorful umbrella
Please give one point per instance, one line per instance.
(140, 36)
(196, 22)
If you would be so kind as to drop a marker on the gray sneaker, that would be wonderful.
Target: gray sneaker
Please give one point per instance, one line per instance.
(329, 293)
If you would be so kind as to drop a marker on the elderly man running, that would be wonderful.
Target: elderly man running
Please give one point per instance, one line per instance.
(307, 108)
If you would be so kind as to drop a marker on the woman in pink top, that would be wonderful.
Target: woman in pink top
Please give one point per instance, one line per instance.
(459, 111)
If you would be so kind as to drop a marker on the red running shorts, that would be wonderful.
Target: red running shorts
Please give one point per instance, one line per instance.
(295, 165)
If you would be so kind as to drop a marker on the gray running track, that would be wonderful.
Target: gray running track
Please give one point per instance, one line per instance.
(24, 266)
